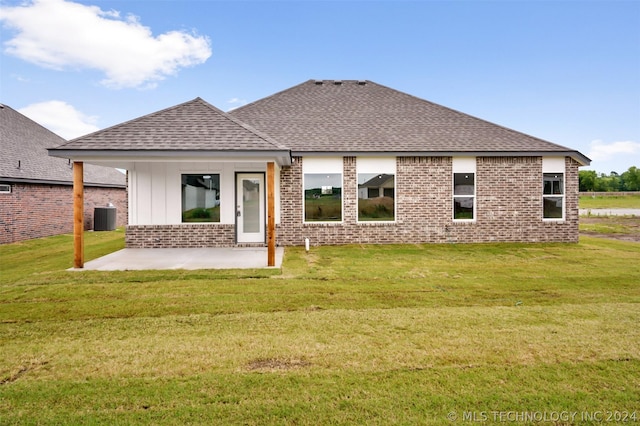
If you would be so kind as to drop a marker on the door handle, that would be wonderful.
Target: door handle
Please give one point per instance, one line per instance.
(238, 212)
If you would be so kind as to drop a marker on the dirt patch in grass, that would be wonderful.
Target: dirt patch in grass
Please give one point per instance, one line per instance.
(622, 228)
(21, 370)
(276, 364)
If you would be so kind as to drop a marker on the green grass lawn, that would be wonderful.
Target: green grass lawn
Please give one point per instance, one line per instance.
(397, 334)
(631, 201)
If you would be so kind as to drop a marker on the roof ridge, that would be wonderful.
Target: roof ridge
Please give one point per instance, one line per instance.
(34, 122)
(271, 96)
(244, 125)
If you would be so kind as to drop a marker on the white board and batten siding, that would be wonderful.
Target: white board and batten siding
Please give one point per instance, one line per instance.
(155, 190)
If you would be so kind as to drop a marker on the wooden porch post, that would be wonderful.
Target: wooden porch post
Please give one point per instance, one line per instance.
(78, 214)
(271, 215)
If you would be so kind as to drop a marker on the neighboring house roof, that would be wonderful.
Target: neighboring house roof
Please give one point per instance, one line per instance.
(191, 127)
(377, 181)
(24, 158)
(354, 116)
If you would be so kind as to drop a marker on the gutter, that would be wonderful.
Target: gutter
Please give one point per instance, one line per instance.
(60, 182)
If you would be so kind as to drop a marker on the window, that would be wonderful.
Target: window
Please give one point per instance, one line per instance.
(322, 189)
(464, 188)
(201, 198)
(553, 188)
(376, 189)
(5, 188)
(463, 195)
(553, 195)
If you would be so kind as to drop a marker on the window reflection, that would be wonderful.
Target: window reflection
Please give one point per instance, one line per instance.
(376, 197)
(323, 197)
(201, 198)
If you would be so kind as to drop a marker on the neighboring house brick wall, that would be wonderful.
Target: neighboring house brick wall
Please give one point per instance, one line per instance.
(41, 210)
(101, 197)
(508, 208)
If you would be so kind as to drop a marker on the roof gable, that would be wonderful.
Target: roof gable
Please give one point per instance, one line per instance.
(24, 142)
(191, 126)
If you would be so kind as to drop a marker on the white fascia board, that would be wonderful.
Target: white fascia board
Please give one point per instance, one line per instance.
(120, 158)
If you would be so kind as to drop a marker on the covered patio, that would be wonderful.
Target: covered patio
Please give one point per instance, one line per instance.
(134, 259)
(196, 178)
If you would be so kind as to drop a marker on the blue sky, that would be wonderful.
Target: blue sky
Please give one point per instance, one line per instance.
(564, 71)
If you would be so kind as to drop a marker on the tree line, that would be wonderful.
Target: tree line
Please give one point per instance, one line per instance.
(590, 181)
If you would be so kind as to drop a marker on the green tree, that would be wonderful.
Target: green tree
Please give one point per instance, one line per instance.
(608, 183)
(631, 179)
(587, 180)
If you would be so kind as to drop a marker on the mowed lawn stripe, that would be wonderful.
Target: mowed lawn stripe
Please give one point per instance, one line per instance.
(402, 334)
(335, 340)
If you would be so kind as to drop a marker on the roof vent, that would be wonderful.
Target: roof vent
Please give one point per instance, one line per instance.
(319, 82)
(362, 82)
(338, 82)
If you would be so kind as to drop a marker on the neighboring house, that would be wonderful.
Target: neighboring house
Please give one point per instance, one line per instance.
(36, 195)
(197, 175)
(382, 185)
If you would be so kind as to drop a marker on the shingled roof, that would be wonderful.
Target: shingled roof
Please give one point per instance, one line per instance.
(364, 117)
(350, 117)
(24, 143)
(191, 126)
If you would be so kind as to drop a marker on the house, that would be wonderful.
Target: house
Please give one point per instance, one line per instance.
(316, 147)
(36, 189)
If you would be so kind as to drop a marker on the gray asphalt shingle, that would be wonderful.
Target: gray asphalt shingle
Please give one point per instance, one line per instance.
(191, 126)
(25, 142)
(362, 116)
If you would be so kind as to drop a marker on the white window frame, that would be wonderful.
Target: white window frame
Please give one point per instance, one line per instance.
(463, 165)
(5, 188)
(323, 165)
(377, 165)
(554, 165)
(201, 173)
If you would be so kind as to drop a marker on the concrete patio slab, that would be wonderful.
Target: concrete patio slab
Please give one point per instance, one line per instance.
(129, 259)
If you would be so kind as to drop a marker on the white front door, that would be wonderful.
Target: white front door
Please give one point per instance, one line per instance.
(250, 209)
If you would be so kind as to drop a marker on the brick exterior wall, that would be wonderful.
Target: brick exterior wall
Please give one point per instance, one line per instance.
(508, 208)
(200, 235)
(508, 205)
(41, 210)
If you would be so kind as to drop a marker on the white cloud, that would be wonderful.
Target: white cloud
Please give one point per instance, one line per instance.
(601, 151)
(61, 34)
(61, 118)
(20, 78)
(236, 103)
(613, 156)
